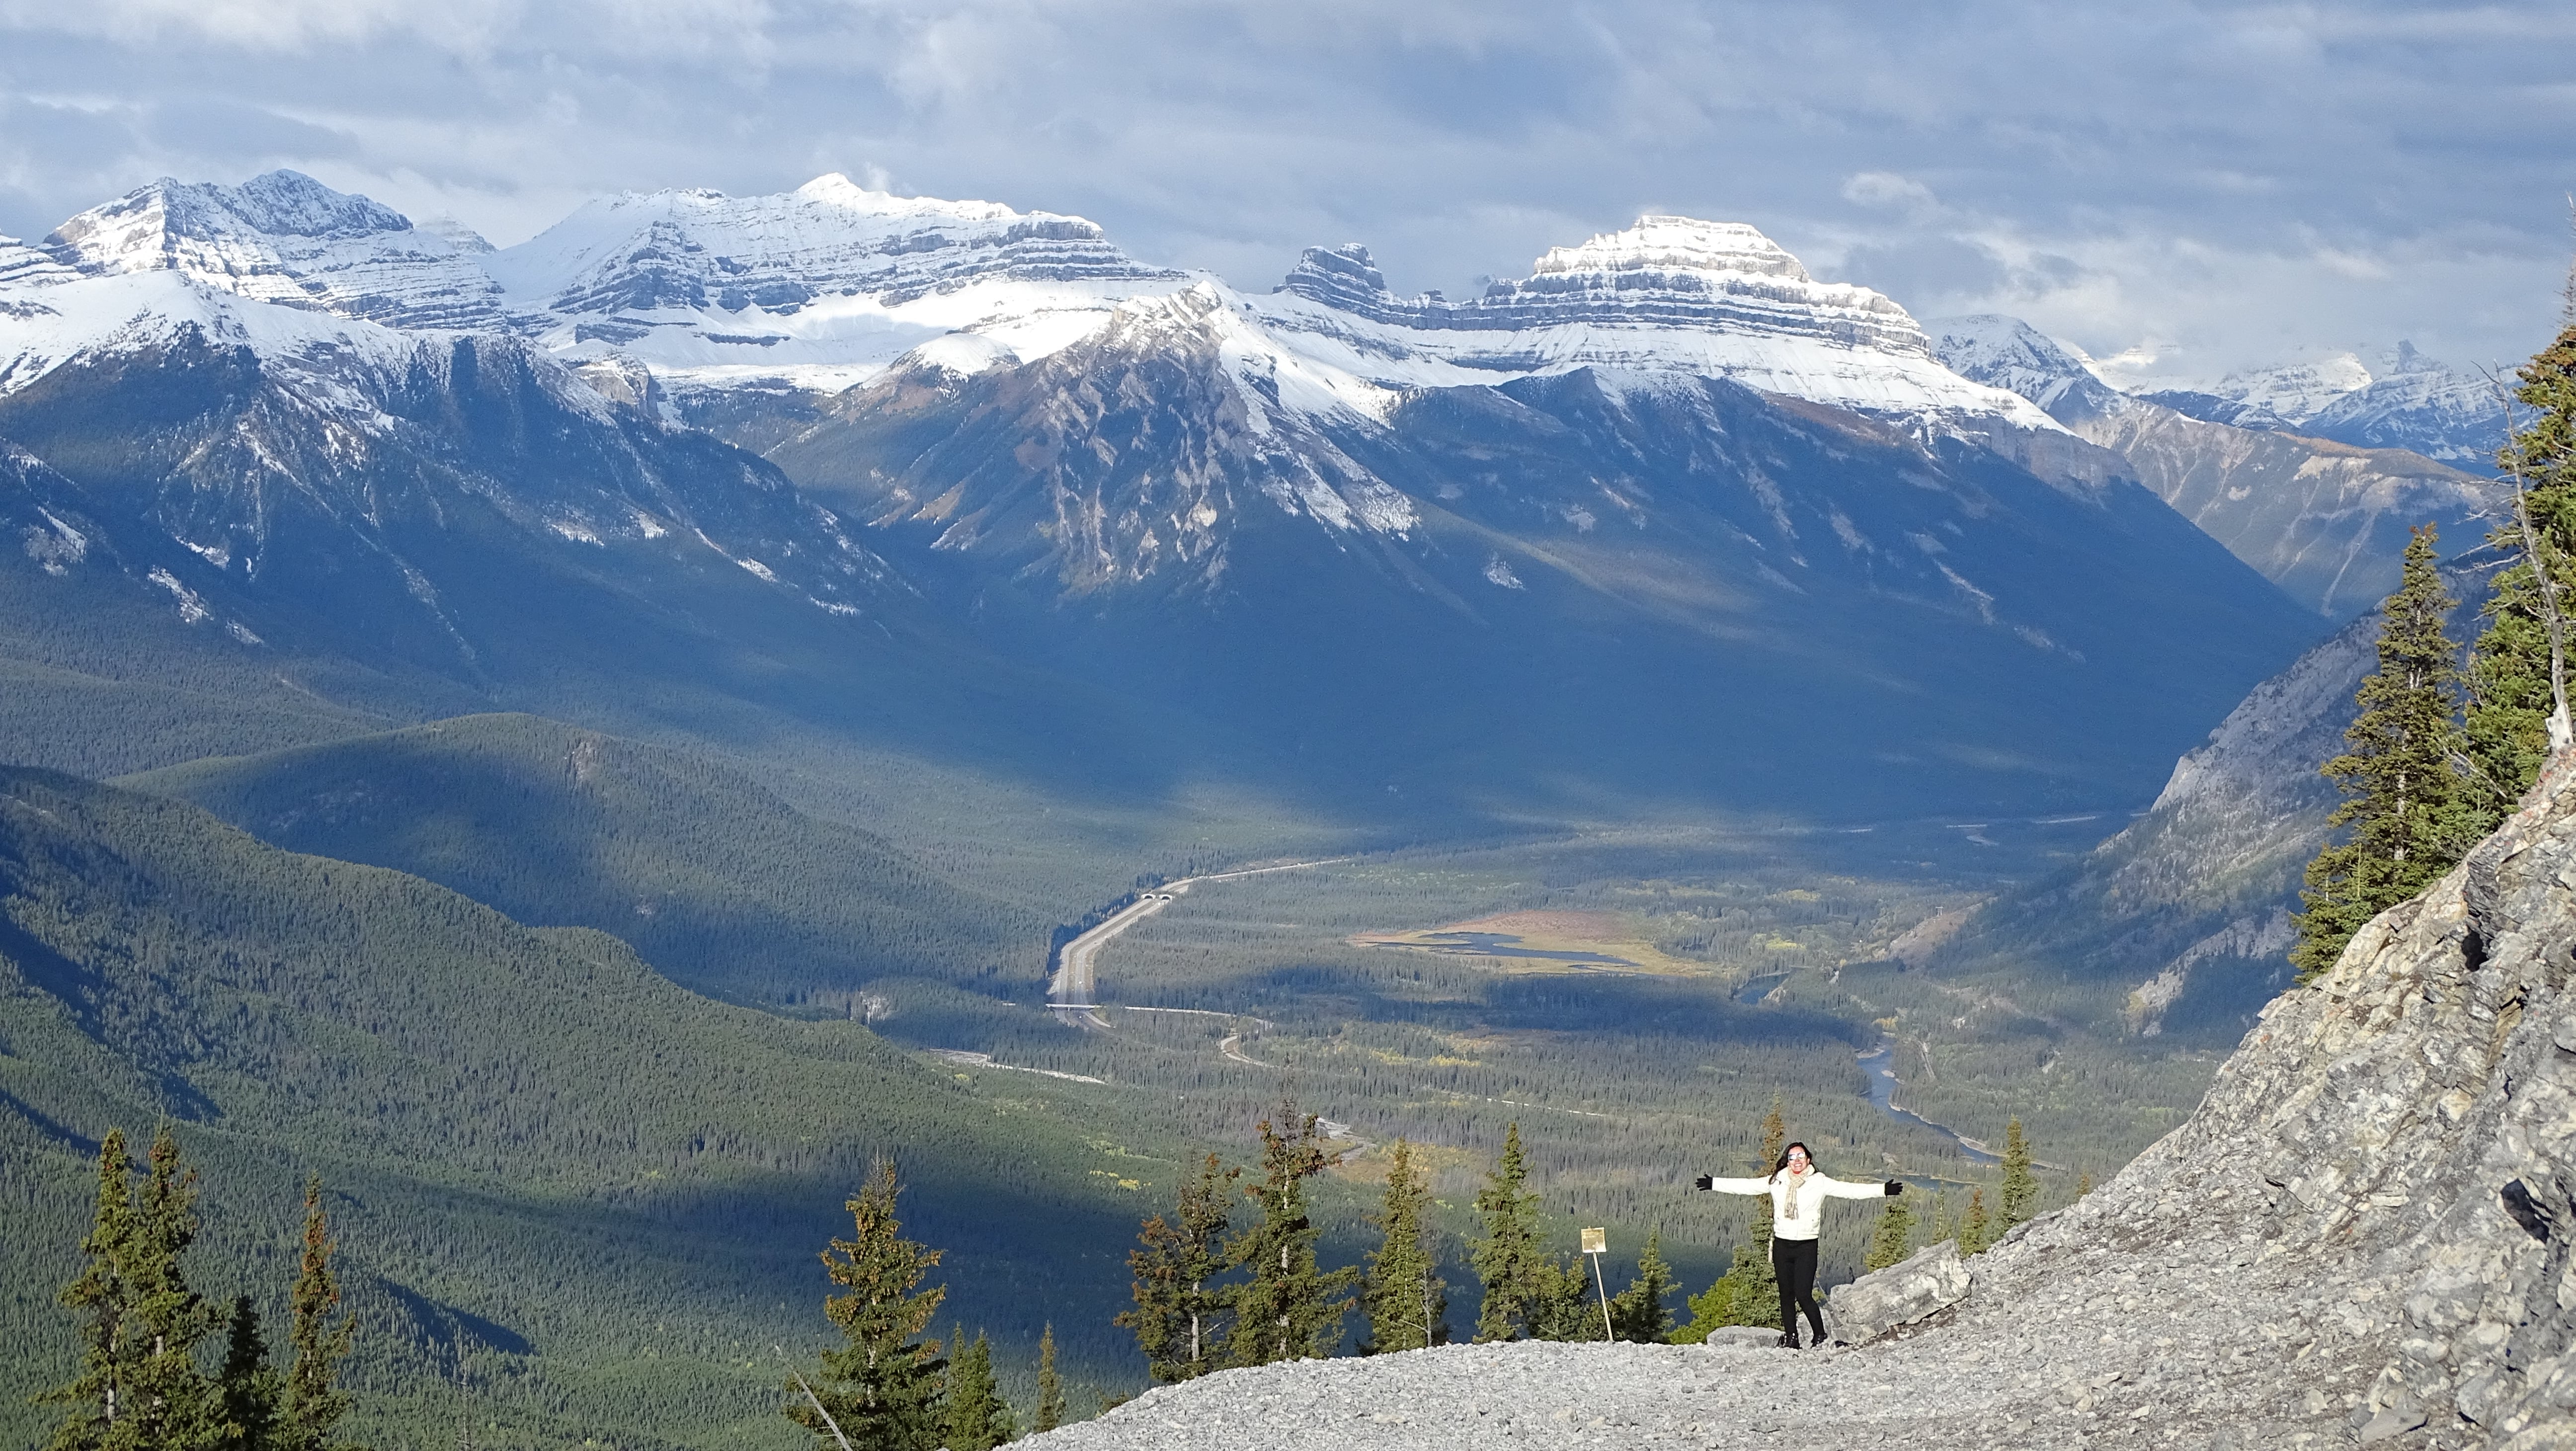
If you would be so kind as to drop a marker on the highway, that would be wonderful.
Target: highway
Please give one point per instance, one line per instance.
(1073, 993)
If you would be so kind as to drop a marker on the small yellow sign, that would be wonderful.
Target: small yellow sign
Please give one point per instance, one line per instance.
(1596, 1241)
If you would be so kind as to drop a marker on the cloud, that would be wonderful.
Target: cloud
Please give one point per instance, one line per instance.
(2227, 173)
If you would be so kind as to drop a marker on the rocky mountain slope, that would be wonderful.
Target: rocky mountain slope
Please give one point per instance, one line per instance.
(2364, 1234)
(2323, 518)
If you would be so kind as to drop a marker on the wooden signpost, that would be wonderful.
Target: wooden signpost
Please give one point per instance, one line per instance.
(1596, 1242)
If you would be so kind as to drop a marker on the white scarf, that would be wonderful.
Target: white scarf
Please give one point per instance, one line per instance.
(1795, 1179)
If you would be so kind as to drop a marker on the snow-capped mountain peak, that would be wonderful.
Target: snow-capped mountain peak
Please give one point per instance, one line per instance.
(2005, 352)
(1669, 295)
(286, 238)
(1675, 244)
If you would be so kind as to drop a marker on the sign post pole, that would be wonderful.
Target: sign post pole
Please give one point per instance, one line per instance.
(1595, 1243)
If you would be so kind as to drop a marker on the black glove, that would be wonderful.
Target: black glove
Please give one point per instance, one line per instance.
(1895, 1187)
(1703, 1182)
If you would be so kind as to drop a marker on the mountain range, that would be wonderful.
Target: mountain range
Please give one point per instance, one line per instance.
(852, 466)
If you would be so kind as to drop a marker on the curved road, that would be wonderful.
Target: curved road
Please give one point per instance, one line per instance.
(1072, 992)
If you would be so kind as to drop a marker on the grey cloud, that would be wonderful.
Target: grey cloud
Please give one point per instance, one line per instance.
(2172, 170)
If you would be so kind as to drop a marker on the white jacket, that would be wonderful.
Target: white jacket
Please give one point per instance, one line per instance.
(1811, 1197)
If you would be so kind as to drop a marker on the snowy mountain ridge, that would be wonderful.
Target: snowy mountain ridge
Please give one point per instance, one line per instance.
(2406, 400)
(825, 286)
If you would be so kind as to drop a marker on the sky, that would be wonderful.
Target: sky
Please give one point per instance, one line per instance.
(2180, 189)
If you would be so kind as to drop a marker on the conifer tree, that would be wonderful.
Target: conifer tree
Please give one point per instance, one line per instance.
(977, 1418)
(2511, 696)
(1290, 1309)
(1182, 1313)
(1889, 1243)
(1638, 1313)
(882, 1385)
(2410, 815)
(1518, 1278)
(177, 1407)
(251, 1388)
(2083, 1183)
(99, 1395)
(1408, 1306)
(1050, 1386)
(2019, 1197)
(312, 1403)
(1943, 1225)
(1972, 1225)
(1566, 1309)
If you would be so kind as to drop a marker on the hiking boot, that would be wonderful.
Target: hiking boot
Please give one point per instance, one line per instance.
(1788, 1340)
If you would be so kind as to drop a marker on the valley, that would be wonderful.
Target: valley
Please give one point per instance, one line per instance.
(589, 744)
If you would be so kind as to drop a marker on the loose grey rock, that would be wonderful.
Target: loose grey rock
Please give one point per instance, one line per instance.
(2367, 1231)
(1875, 1305)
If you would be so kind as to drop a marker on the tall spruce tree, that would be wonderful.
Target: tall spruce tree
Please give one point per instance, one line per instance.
(977, 1419)
(1517, 1276)
(1408, 1305)
(177, 1406)
(2509, 685)
(1973, 1237)
(1289, 1308)
(1638, 1313)
(99, 1394)
(2018, 1199)
(251, 1388)
(312, 1403)
(2410, 816)
(1183, 1313)
(1050, 1413)
(1892, 1239)
(882, 1385)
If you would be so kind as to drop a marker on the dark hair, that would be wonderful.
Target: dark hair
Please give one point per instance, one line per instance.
(1801, 1148)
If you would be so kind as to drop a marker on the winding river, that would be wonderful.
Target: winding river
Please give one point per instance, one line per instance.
(1879, 1064)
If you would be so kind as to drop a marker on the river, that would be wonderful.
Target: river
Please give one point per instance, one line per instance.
(1879, 1064)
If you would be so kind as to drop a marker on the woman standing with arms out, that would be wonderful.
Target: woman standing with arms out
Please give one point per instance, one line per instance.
(1798, 1191)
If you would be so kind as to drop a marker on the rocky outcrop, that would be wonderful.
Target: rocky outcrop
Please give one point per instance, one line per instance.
(1878, 1305)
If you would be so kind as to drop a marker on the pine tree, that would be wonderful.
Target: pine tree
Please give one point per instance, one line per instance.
(1290, 1309)
(2410, 815)
(2510, 692)
(251, 1388)
(1408, 1306)
(1972, 1225)
(99, 1395)
(1566, 1307)
(1050, 1386)
(1518, 1279)
(1182, 1313)
(1943, 1225)
(312, 1404)
(2019, 1197)
(2083, 1183)
(1889, 1244)
(882, 1385)
(177, 1406)
(1638, 1313)
(977, 1419)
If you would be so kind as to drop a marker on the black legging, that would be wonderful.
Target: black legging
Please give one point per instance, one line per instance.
(1793, 1264)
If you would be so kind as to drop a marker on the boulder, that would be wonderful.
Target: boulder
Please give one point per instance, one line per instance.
(1899, 1295)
